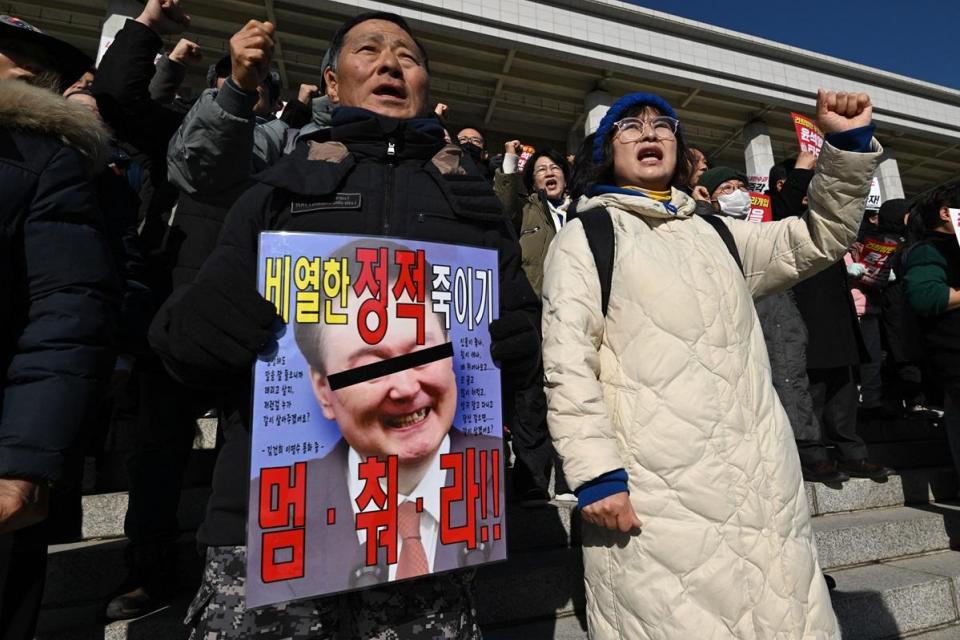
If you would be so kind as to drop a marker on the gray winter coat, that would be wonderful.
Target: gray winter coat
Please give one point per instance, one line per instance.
(221, 144)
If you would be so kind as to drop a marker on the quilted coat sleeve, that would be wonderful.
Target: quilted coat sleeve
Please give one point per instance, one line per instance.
(573, 323)
(776, 255)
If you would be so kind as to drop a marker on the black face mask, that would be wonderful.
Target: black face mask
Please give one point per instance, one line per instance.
(474, 152)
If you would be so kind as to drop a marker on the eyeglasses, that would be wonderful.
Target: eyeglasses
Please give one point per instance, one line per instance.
(631, 129)
(545, 169)
(727, 188)
(475, 141)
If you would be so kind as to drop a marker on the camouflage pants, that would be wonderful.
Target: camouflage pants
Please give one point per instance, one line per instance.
(440, 607)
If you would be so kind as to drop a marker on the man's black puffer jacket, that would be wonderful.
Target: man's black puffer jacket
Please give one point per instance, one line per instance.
(58, 285)
(394, 178)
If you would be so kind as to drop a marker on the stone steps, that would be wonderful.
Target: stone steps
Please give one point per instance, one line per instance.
(898, 598)
(103, 513)
(81, 576)
(886, 543)
(850, 539)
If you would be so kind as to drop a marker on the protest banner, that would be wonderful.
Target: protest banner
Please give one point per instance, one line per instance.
(874, 200)
(377, 429)
(760, 209)
(875, 253)
(758, 184)
(808, 134)
(525, 152)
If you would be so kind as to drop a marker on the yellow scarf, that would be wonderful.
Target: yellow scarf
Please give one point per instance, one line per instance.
(660, 196)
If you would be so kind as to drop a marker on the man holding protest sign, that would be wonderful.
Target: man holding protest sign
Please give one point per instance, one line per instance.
(382, 169)
(397, 398)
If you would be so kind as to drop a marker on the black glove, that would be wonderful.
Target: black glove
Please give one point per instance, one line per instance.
(204, 330)
(515, 347)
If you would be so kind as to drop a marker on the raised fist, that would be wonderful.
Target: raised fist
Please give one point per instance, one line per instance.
(186, 52)
(513, 148)
(165, 17)
(441, 110)
(805, 160)
(307, 93)
(837, 112)
(251, 49)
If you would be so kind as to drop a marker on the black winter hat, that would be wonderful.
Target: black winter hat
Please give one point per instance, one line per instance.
(65, 59)
(890, 217)
(713, 178)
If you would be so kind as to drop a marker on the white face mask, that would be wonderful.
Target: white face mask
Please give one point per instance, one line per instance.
(736, 204)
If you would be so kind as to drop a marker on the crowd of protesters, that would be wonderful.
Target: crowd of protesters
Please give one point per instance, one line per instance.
(673, 368)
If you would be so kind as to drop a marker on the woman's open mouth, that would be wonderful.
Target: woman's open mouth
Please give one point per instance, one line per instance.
(407, 420)
(650, 154)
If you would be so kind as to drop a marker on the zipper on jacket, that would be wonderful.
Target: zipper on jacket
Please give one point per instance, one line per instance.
(388, 184)
(527, 232)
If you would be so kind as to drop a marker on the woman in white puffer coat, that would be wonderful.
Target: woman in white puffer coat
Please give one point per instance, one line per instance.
(663, 410)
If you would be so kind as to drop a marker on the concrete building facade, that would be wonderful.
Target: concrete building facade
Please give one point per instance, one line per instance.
(546, 72)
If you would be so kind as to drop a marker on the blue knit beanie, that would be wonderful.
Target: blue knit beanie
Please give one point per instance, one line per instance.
(621, 106)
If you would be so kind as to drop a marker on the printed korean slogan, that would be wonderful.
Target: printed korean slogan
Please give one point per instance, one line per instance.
(377, 433)
(758, 183)
(760, 209)
(875, 199)
(875, 253)
(808, 134)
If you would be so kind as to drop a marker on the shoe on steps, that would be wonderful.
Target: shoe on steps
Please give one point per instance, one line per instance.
(865, 469)
(825, 471)
(134, 604)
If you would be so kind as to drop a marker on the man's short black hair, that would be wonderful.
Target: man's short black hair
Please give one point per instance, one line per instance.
(336, 45)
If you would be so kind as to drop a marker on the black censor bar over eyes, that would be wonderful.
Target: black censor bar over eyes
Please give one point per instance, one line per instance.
(386, 367)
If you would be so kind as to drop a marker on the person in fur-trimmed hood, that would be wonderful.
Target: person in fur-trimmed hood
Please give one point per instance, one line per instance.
(59, 296)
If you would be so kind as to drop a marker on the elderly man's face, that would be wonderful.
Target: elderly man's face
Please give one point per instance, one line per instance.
(406, 414)
(380, 69)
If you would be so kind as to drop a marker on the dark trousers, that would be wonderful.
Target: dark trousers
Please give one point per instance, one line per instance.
(871, 382)
(951, 422)
(834, 393)
(165, 430)
(23, 574)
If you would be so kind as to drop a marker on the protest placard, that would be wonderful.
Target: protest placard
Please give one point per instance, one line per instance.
(377, 429)
(874, 200)
(808, 134)
(875, 253)
(758, 184)
(526, 151)
(760, 209)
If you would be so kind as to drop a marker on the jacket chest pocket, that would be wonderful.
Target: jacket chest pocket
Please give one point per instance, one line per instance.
(533, 243)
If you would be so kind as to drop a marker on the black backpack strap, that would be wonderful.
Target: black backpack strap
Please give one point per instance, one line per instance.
(724, 232)
(598, 226)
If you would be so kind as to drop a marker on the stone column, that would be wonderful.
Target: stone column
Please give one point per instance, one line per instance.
(118, 12)
(758, 151)
(596, 104)
(888, 173)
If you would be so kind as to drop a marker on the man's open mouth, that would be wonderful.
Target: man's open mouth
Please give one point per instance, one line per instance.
(390, 91)
(407, 420)
(551, 183)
